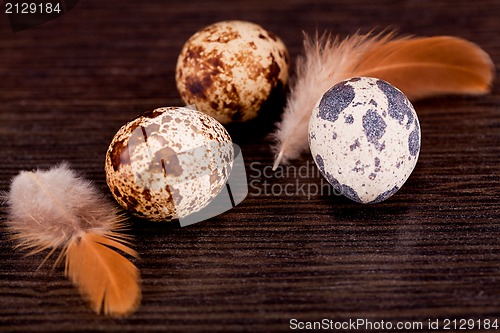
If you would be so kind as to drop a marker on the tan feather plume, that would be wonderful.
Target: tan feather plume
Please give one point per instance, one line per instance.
(50, 209)
(420, 67)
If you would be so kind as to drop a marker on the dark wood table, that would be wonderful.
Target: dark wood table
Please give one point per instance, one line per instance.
(431, 252)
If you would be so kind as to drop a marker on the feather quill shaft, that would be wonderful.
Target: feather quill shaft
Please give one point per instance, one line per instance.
(55, 208)
(420, 67)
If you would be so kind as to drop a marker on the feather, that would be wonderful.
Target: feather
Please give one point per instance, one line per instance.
(420, 67)
(424, 67)
(55, 208)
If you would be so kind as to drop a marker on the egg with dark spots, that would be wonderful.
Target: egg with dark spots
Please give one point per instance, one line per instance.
(364, 136)
(230, 68)
(168, 163)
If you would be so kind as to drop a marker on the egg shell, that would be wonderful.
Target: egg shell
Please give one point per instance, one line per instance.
(230, 68)
(168, 163)
(364, 136)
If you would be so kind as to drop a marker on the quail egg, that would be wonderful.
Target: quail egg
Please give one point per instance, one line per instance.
(364, 136)
(230, 68)
(168, 163)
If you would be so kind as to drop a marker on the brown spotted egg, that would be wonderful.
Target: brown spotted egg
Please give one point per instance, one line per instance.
(230, 68)
(168, 163)
(364, 136)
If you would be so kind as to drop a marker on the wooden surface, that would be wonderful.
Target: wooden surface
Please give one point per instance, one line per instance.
(430, 252)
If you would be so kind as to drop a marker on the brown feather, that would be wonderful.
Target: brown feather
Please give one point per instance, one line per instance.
(420, 67)
(105, 277)
(424, 67)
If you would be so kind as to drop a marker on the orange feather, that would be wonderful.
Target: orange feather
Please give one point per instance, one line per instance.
(106, 278)
(424, 67)
(420, 67)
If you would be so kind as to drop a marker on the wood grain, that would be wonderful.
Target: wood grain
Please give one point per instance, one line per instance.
(430, 252)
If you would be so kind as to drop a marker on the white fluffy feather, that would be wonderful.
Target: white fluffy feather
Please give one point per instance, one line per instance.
(326, 61)
(56, 205)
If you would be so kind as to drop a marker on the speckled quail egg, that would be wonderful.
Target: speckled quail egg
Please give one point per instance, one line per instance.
(230, 68)
(168, 163)
(364, 136)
